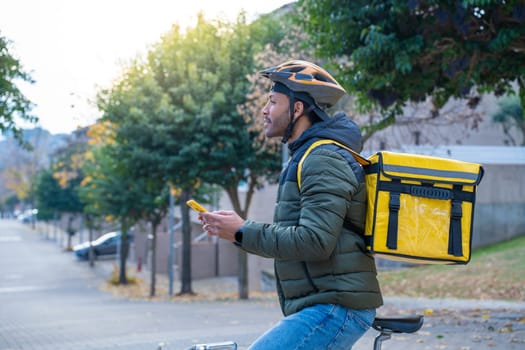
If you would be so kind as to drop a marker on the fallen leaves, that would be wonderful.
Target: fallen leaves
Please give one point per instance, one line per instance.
(487, 278)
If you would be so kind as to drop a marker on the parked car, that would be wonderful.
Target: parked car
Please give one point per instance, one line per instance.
(107, 244)
(27, 216)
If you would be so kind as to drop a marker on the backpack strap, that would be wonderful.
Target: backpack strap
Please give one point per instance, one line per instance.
(454, 239)
(359, 158)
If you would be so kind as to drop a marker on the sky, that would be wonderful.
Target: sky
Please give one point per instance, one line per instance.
(73, 48)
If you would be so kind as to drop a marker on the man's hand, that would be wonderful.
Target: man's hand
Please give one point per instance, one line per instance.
(222, 223)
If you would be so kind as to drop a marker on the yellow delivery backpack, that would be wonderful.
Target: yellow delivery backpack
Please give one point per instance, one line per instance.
(420, 208)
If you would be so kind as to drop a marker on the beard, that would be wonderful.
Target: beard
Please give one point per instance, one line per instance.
(275, 126)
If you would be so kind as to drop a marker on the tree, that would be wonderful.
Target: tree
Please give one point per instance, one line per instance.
(135, 108)
(175, 120)
(13, 104)
(67, 170)
(10, 203)
(47, 193)
(202, 73)
(107, 190)
(98, 134)
(394, 52)
(511, 115)
(19, 178)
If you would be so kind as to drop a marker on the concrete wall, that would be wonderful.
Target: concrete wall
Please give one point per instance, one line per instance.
(500, 205)
(209, 258)
(261, 209)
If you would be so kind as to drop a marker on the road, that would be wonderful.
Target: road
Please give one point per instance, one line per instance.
(50, 300)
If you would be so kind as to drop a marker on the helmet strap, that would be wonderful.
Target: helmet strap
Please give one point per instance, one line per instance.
(289, 128)
(320, 113)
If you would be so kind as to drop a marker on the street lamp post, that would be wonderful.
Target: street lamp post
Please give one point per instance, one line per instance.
(171, 230)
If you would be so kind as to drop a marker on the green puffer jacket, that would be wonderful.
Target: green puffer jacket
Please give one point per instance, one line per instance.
(319, 258)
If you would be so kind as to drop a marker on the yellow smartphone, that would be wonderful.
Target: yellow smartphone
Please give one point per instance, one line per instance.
(193, 204)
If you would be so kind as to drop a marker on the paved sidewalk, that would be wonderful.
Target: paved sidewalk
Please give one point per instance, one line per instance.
(449, 323)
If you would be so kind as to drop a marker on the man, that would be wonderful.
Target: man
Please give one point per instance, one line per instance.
(326, 282)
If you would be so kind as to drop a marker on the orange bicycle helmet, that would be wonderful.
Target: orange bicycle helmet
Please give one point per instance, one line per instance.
(303, 76)
(308, 83)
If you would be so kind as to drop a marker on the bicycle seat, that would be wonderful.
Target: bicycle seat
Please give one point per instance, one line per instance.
(398, 324)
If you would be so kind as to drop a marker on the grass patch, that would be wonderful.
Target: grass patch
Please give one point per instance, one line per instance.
(114, 279)
(494, 272)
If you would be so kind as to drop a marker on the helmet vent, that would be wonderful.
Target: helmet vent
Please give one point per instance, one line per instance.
(322, 77)
(293, 69)
(301, 76)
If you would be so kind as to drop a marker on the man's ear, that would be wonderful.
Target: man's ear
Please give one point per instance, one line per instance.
(298, 109)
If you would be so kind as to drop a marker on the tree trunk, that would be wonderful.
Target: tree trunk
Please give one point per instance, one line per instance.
(186, 245)
(91, 253)
(70, 232)
(123, 252)
(69, 247)
(242, 257)
(521, 125)
(153, 279)
(90, 225)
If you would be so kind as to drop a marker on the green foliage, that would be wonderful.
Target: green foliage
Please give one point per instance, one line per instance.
(400, 51)
(108, 189)
(175, 114)
(270, 30)
(67, 171)
(10, 203)
(202, 73)
(48, 195)
(56, 188)
(13, 104)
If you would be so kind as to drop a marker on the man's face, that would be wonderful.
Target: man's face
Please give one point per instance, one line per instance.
(276, 114)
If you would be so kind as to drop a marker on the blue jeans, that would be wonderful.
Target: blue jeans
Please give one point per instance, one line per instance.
(322, 326)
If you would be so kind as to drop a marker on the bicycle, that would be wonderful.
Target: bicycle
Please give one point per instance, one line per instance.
(386, 326)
